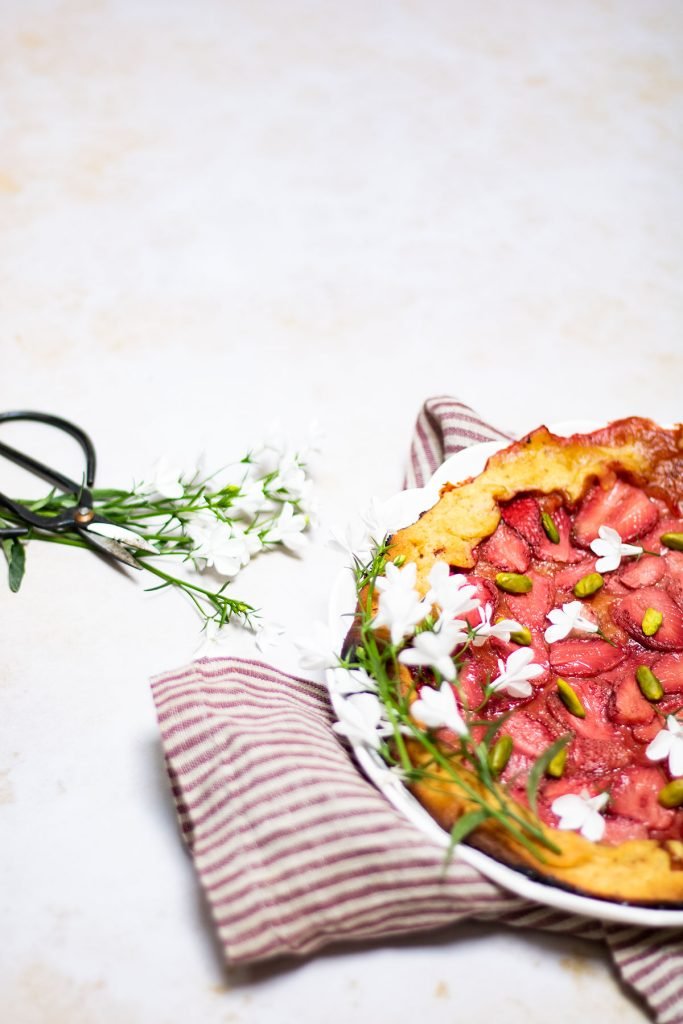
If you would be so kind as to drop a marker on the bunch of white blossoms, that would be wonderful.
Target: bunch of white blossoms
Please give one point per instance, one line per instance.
(424, 639)
(248, 506)
(218, 522)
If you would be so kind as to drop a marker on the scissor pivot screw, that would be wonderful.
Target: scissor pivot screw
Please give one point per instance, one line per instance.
(84, 515)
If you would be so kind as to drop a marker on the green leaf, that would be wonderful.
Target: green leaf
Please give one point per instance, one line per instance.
(538, 769)
(493, 727)
(466, 824)
(15, 554)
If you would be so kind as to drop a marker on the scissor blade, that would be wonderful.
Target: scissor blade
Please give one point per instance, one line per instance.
(111, 548)
(112, 531)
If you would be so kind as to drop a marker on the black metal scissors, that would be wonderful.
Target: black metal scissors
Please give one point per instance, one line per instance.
(81, 517)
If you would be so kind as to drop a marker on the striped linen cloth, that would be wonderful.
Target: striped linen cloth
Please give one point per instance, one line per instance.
(295, 849)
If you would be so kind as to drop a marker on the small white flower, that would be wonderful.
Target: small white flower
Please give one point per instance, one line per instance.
(249, 538)
(581, 813)
(376, 521)
(353, 540)
(287, 529)
(267, 633)
(290, 478)
(400, 605)
(166, 479)
(452, 593)
(251, 500)
(434, 648)
(356, 680)
(198, 526)
(501, 629)
(212, 638)
(612, 550)
(669, 743)
(515, 672)
(437, 709)
(565, 619)
(316, 650)
(361, 720)
(309, 504)
(218, 545)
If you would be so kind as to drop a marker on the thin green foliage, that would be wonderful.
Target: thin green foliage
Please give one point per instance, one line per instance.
(465, 761)
(167, 523)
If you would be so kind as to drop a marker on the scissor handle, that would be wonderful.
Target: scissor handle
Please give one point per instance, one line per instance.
(51, 475)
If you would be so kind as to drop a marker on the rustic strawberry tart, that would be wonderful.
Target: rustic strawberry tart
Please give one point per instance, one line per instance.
(534, 619)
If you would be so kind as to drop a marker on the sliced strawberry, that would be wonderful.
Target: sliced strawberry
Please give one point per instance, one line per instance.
(603, 754)
(594, 696)
(531, 609)
(614, 586)
(674, 831)
(575, 657)
(567, 578)
(625, 508)
(506, 550)
(471, 680)
(646, 733)
(672, 563)
(529, 736)
(667, 524)
(628, 612)
(516, 773)
(621, 830)
(643, 572)
(669, 670)
(551, 789)
(480, 667)
(524, 516)
(564, 550)
(634, 795)
(628, 706)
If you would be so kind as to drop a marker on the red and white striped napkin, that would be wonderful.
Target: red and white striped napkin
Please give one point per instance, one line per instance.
(295, 849)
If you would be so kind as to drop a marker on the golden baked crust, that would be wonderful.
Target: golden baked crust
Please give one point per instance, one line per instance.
(560, 473)
(542, 463)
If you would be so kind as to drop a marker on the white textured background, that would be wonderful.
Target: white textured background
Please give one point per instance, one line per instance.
(217, 213)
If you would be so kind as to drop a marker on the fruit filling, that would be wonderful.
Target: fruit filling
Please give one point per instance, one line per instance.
(597, 593)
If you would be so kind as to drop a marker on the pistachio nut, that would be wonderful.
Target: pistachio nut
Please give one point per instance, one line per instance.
(570, 699)
(652, 620)
(588, 585)
(671, 795)
(551, 531)
(650, 686)
(513, 582)
(499, 754)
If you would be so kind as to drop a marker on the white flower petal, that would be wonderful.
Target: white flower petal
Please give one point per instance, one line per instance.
(676, 757)
(316, 650)
(660, 746)
(360, 719)
(357, 680)
(571, 810)
(608, 563)
(581, 813)
(609, 546)
(593, 827)
(438, 709)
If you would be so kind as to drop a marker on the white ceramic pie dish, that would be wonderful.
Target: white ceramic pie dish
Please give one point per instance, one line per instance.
(402, 510)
